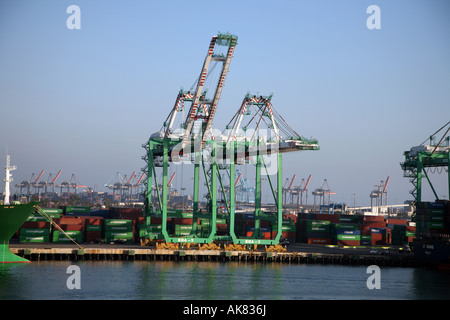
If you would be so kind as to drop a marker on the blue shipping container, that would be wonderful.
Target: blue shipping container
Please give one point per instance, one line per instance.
(347, 231)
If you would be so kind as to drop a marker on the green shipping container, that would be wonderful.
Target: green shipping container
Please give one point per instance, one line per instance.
(50, 211)
(118, 222)
(118, 236)
(317, 222)
(34, 238)
(348, 237)
(70, 209)
(34, 232)
(346, 226)
(58, 236)
(120, 228)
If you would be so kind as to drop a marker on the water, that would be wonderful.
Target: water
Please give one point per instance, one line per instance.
(155, 280)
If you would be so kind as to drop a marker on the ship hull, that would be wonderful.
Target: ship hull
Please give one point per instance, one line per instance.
(432, 251)
(11, 218)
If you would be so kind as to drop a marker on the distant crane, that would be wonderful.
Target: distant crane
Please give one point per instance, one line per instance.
(322, 192)
(288, 190)
(49, 183)
(378, 193)
(300, 190)
(34, 184)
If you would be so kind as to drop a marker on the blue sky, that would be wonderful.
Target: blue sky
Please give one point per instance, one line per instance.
(84, 101)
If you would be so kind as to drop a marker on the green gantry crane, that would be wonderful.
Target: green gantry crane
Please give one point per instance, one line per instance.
(432, 155)
(195, 142)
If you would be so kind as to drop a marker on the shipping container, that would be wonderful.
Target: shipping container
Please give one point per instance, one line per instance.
(347, 231)
(30, 238)
(58, 236)
(348, 237)
(348, 242)
(92, 236)
(117, 222)
(93, 227)
(349, 218)
(71, 209)
(350, 226)
(72, 227)
(36, 225)
(34, 232)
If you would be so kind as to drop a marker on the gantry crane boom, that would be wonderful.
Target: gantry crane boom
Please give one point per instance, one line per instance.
(292, 181)
(386, 184)
(39, 176)
(198, 96)
(307, 183)
(57, 176)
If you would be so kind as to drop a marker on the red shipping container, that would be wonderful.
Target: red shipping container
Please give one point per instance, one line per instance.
(373, 224)
(348, 242)
(96, 221)
(183, 220)
(36, 225)
(72, 227)
(378, 239)
(373, 218)
(327, 217)
(68, 220)
(397, 221)
(155, 220)
(92, 236)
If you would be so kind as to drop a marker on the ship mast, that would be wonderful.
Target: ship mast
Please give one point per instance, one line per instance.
(8, 178)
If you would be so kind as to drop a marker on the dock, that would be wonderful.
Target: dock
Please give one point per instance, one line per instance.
(137, 253)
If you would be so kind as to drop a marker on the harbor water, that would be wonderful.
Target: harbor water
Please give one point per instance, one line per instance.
(192, 280)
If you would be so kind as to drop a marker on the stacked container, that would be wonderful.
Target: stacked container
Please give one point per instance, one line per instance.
(93, 229)
(36, 228)
(73, 226)
(430, 217)
(118, 230)
(317, 231)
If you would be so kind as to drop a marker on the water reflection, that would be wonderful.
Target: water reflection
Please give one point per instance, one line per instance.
(155, 280)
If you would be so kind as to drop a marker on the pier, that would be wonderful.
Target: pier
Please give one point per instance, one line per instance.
(350, 256)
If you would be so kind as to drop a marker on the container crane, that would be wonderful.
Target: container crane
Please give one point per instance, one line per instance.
(197, 126)
(323, 192)
(302, 189)
(421, 158)
(288, 190)
(239, 144)
(378, 193)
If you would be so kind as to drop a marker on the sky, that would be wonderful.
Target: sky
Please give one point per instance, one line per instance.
(85, 100)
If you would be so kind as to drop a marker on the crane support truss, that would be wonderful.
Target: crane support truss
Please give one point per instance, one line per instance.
(419, 159)
(198, 146)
